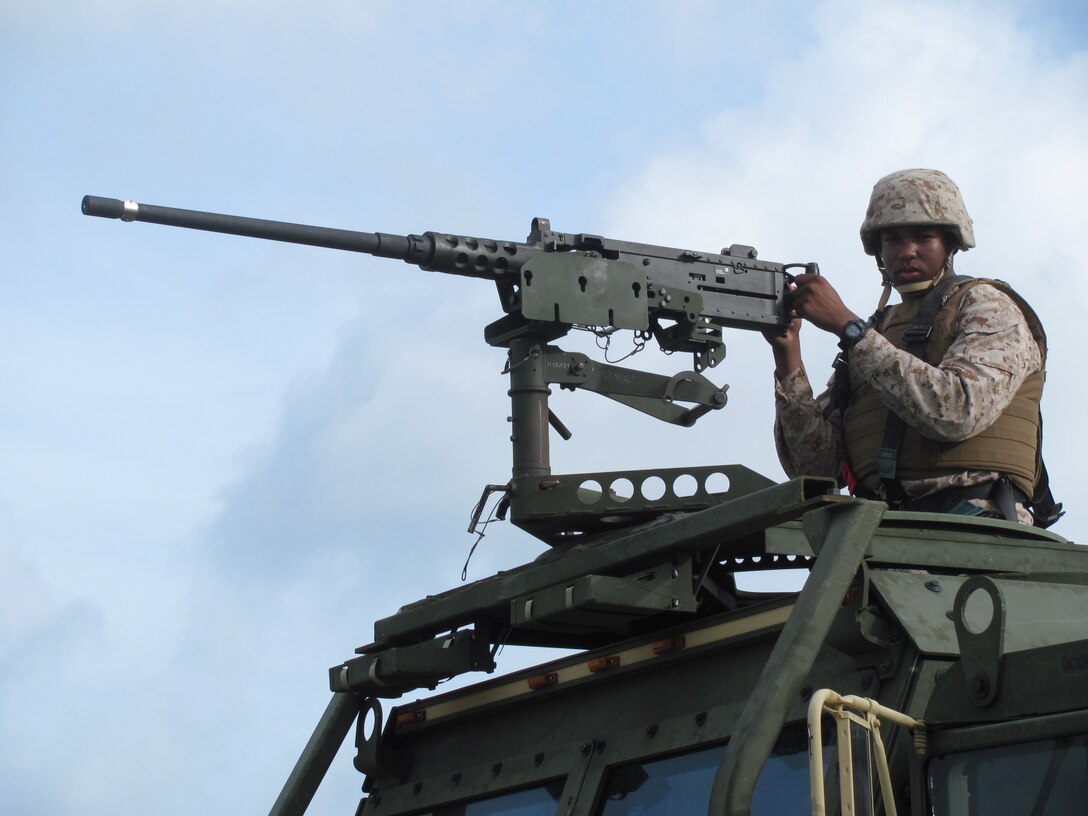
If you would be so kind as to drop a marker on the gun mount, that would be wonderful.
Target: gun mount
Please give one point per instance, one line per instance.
(547, 286)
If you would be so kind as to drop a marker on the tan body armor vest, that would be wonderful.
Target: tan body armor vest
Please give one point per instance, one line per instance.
(1010, 445)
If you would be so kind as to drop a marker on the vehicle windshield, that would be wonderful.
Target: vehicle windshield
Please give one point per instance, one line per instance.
(539, 801)
(1043, 778)
(680, 785)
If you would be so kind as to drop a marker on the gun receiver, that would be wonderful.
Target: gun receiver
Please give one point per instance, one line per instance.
(552, 283)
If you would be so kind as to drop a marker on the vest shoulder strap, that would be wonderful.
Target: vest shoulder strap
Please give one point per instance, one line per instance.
(916, 338)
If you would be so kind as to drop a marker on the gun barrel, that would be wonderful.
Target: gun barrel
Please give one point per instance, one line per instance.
(387, 246)
(452, 254)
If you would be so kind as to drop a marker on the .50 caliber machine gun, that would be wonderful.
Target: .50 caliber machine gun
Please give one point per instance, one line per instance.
(550, 284)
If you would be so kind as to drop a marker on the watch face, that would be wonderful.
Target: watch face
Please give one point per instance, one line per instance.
(852, 330)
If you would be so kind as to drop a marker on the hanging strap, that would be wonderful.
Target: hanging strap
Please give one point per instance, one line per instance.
(1044, 510)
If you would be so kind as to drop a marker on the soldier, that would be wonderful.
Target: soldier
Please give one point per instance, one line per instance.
(935, 402)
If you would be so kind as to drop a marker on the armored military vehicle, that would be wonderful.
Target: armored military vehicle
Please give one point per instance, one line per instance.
(931, 663)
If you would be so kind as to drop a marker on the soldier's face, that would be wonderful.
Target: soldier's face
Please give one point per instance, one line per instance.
(912, 254)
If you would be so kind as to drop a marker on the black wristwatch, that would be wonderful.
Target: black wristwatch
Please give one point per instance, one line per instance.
(851, 333)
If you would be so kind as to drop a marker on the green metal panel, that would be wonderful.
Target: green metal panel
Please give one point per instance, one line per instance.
(574, 288)
(601, 601)
(1038, 613)
(1047, 680)
(607, 500)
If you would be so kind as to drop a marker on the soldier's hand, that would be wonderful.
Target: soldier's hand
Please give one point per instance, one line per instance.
(816, 300)
(786, 345)
(784, 338)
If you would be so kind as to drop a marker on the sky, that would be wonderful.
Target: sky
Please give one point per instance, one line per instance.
(223, 459)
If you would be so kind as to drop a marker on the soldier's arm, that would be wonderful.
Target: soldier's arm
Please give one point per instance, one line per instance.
(808, 444)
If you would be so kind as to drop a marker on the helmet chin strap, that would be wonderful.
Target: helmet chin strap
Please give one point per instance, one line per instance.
(921, 286)
(912, 288)
(884, 295)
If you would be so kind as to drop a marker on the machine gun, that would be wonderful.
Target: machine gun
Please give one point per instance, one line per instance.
(547, 286)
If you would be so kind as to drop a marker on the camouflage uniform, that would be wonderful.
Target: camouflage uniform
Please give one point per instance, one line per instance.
(988, 361)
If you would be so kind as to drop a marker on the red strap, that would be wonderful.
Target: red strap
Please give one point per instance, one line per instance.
(848, 478)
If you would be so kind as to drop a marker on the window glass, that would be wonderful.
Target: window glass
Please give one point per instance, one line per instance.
(673, 786)
(861, 755)
(680, 785)
(1043, 778)
(539, 801)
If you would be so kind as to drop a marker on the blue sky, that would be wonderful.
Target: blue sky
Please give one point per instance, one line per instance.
(223, 459)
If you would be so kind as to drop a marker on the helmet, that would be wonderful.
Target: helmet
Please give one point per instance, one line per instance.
(910, 198)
